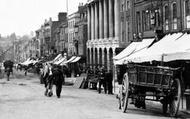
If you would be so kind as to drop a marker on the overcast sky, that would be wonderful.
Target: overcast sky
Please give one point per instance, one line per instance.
(24, 16)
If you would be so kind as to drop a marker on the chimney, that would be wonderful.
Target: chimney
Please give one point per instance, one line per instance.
(50, 19)
(62, 16)
(80, 6)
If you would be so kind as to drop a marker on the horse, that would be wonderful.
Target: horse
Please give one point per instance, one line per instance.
(52, 74)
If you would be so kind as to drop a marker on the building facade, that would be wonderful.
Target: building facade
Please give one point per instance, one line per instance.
(103, 32)
(81, 36)
(147, 17)
(34, 48)
(126, 22)
(62, 38)
(72, 32)
(47, 34)
(157, 18)
(40, 39)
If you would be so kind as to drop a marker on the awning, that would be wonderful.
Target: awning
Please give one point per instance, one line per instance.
(60, 61)
(182, 50)
(133, 48)
(70, 60)
(168, 44)
(176, 56)
(57, 58)
(29, 61)
(127, 51)
(76, 59)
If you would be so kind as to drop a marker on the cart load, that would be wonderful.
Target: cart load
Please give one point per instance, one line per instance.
(142, 82)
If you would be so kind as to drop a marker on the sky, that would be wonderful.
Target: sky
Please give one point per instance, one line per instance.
(25, 16)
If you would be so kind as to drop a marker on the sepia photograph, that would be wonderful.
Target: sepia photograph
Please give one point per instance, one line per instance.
(95, 59)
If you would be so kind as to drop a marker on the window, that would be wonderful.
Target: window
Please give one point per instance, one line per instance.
(166, 8)
(128, 5)
(138, 22)
(122, 31)
(143, 20)
(157, 17)
(147, 20)
(123, 5)
(187, 13)
(174, 19)
(187, 7)
(127, 30)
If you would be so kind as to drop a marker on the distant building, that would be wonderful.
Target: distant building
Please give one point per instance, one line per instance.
(72, 31)
(34, 48)
(81, 36)
(61, 38)
(47, 34)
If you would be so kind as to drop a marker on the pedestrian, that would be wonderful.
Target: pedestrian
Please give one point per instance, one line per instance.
(101, 80)
(58, 79)
(108, 80)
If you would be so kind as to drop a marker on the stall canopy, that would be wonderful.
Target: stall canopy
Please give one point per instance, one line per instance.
(182, 50)
(62, 59)
(70, 60)
(127, 51)
(76, 59)
(171, 47)
(131, 49)
(57, 58)
(29, 61)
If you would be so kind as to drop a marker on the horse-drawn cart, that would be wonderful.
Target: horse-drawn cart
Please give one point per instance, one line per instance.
(153, 83)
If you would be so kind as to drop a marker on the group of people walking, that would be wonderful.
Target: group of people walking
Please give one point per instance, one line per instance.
(52, 74)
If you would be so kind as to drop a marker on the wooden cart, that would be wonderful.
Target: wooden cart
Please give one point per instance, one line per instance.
(153, 83)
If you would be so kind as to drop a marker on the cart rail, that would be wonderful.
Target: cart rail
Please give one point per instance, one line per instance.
(151, 76)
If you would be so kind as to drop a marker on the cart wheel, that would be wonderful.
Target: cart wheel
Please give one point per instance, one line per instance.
(175, 99)
(124, 93)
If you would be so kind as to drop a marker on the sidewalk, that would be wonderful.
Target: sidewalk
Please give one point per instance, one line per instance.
(71, 80)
